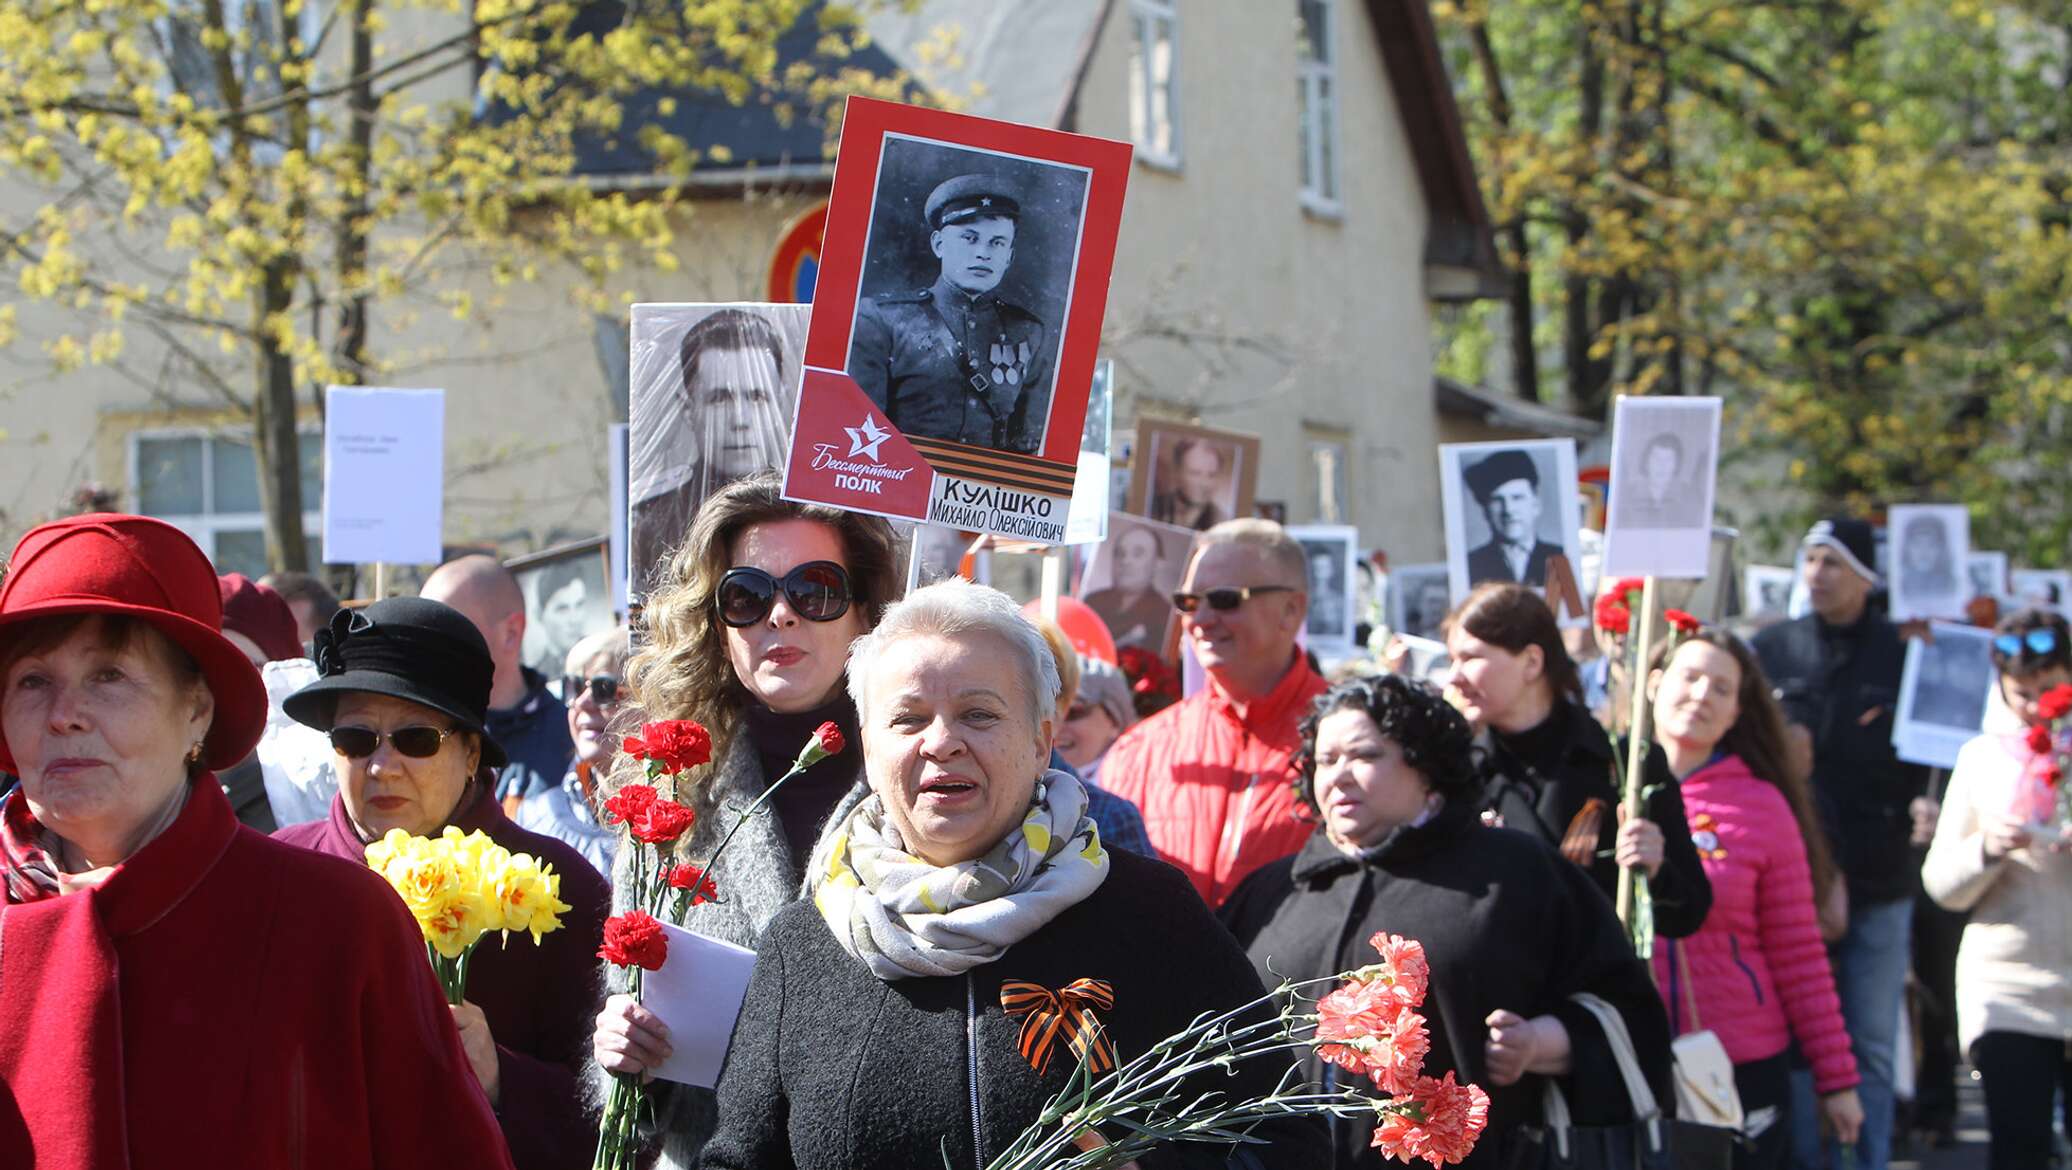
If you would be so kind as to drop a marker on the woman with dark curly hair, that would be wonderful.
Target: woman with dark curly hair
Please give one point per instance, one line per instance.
(1511, 930)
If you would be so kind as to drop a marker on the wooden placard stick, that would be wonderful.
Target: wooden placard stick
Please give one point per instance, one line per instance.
(1637, 728)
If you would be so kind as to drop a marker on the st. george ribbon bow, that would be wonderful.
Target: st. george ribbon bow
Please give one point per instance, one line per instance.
(1068, 1013)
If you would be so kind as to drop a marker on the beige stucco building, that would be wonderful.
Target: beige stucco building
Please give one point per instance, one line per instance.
(1302, 194)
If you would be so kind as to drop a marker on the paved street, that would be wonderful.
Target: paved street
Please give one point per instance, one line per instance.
(1970, 1151)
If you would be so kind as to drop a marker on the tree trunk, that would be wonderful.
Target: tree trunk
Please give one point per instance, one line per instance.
(349, 349)
(1525, 361)
(278, 450)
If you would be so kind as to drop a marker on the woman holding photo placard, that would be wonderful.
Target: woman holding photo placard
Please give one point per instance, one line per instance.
(748, 633)
(2001, 853)
(1551, 770)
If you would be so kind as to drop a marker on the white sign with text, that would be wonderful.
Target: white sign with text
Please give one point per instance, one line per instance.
(384, 475)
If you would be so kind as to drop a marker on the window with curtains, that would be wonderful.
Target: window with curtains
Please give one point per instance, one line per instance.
(206, 483)
(1155, 81)
(1317, 103)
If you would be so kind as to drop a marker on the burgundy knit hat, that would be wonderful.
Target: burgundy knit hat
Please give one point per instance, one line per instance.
(260, 614)
(134, 566)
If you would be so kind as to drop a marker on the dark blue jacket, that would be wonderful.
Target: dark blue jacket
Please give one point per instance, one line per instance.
(534, 734)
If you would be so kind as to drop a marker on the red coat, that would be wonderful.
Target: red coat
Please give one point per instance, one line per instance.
(228, 1000)
(1217, 787)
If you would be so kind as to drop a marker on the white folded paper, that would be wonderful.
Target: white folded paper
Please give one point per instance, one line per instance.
(697, 992)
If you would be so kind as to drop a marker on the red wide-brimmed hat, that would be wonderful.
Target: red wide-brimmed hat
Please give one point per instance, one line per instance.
(134, 566)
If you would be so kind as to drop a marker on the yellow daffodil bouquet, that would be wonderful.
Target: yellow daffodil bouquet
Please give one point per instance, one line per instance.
(463, 887)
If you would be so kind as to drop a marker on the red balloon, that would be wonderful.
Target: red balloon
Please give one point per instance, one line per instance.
(1083, 628)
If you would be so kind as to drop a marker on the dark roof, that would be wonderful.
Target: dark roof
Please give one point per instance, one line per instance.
(1511, 414)
(1459, 235)
(751, 136)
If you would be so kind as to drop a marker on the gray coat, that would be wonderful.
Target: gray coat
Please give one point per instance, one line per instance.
(756, 879)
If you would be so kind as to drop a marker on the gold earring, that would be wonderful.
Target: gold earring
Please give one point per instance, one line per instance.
(194, 754)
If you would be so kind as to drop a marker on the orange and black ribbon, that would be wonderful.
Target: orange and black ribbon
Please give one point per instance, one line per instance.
(1068, 1013)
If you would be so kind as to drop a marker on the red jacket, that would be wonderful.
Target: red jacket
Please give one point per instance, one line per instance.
(1759, 974)
(230, 1001)
(1217, 787)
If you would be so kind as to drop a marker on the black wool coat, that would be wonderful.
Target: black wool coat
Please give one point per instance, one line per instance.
(1539, 781)
(832, 1068)
(1505, 923)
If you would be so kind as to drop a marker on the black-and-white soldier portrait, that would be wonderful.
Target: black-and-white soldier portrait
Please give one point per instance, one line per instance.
(1930, 543)
(1330, 550)
(1660, 493)
(713, 389)
(1506, 486)
(966, 277)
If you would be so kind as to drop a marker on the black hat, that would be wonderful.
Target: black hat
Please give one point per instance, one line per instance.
(971, 197)
(407, 648)
(1499, 469)
(1850, 537)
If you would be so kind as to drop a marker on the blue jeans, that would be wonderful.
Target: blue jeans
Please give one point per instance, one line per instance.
(1871, 978)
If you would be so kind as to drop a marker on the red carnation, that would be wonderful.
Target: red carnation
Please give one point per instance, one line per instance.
(1368, 1027)
(629, 802)
(2055, 703)
(670, 746)
(2052, 775)
(1403, 966)
(1629, 589)
(1612, 615)
(692, 879)
(830, 738)
(827, 741)
(634, 939)
(661, 822)
(1439, 1122)
(1680, 621)
(2039, 740)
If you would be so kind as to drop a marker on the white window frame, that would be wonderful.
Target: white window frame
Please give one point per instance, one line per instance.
(1321, 192)
(1147, 18)
(204, 526)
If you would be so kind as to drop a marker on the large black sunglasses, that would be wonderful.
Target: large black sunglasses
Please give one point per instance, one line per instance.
(419, 743)
(602, 687)
(1224, 600)
(818, 591)
(2034, 644)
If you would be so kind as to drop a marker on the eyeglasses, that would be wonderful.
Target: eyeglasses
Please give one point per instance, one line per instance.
(2036, 643)
(419, 743)
(1224, 600)
(818, 591)
(602, 687)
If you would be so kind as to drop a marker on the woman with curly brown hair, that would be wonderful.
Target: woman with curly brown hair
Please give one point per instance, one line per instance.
(749, 635)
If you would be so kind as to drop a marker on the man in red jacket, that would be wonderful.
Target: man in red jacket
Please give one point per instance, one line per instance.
(1213, 774)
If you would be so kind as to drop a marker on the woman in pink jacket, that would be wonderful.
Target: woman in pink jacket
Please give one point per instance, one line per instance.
(1756, 973)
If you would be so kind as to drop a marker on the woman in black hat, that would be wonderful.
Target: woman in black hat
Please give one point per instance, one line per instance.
(403, 695)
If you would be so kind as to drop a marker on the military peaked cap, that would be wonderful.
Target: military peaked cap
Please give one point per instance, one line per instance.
(972, 197)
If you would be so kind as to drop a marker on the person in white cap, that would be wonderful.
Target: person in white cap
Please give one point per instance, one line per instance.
(1837, 672)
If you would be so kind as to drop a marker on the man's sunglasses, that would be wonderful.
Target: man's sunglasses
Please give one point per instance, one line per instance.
(818, 591)
(1224, 600)
(419, 743)
(602, 687)
(2036, 643)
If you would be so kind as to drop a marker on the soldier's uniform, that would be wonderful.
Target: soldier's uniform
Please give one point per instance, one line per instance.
(943, 364)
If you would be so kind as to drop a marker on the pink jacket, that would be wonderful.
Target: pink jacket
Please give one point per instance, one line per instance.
(1758, 966)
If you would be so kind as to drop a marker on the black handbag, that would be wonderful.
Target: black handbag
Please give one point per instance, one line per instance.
(1649, 1142)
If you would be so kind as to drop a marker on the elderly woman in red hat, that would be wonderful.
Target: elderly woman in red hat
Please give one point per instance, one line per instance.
(174, 985)
(404, 697)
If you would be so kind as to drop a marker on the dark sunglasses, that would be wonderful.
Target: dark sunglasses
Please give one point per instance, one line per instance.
(1224, 600)
(419, 743)
(602, 687)
(818, 591)
(2036, 643)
